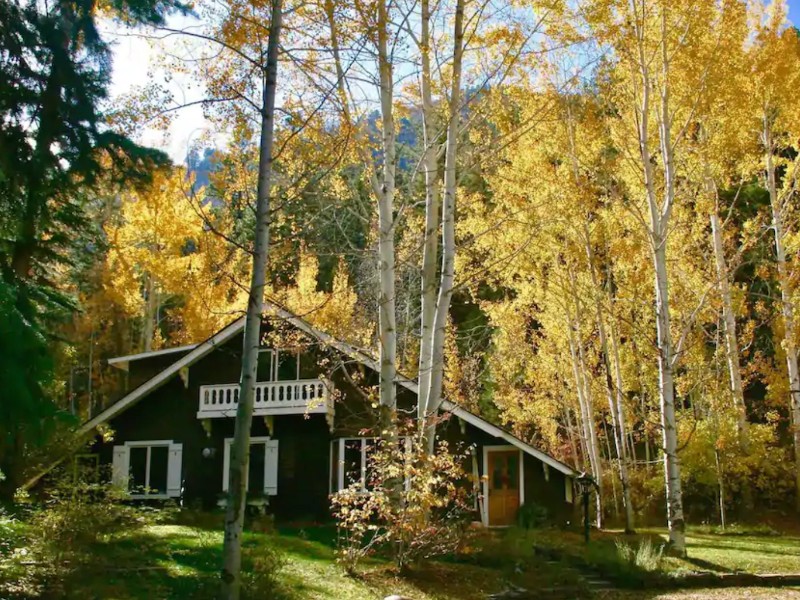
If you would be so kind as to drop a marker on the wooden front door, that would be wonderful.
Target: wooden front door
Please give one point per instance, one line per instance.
(504, 483)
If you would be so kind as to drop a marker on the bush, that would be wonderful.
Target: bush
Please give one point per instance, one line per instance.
(646, 556)
(414, 505)
(260, 577)
(78, 515)
(531, 515)
(57, 537)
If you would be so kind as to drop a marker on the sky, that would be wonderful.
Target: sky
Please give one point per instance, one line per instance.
(133, 59)
(132, 68)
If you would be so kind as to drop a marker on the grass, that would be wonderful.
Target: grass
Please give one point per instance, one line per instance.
(749, 553)
(640, 562)
(707, 594)
(180, 558)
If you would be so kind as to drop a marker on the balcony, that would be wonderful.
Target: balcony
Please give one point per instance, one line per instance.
(304, 396)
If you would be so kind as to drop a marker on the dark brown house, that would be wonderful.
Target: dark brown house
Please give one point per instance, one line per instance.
(311, 429)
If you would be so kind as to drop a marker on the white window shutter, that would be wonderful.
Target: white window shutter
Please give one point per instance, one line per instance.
(120, 466)
(271, 468)
(226, 465)
(174, 470)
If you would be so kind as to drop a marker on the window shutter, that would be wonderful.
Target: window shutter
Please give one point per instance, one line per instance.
(174, 470)
(226, 464)
(120, 466)
(271, 468)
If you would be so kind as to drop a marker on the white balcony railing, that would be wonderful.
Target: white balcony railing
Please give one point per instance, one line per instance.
(272, 398)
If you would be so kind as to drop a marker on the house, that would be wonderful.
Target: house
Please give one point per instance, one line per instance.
(172, 431)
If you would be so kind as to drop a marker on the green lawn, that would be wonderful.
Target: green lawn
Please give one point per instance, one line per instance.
(753, 554)
(719, 594)
(180, 559)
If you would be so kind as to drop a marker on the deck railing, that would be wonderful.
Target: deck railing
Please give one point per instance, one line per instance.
(272, 398)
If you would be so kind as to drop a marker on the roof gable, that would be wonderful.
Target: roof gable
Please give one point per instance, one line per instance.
(355, 353)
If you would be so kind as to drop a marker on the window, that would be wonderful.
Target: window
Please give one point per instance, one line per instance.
(287, 367)
(278, 365)
(264, 371)
(568, 489)
(149, 469)
(262, 472)
(351, 461)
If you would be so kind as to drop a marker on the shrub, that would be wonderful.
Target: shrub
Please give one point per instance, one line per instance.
(646, 556)
(58, 536)
(413, 504)
(260, 578)
(77, 515)
(531, 515)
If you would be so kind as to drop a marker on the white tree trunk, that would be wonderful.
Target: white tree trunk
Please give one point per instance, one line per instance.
(617, 420)
(431, 245)
(433, 395)
(387, 327)
(571, 436)
(669, 426)
(594, 443)
(731, 338)
(659, 223)
(721, 485)
(787, 308)
(592, 448)
(631, 451)
(240, 448)
(150, 310)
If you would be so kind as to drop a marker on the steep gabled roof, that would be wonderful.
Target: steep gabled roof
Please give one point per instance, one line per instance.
(121, 362)
(358, 354)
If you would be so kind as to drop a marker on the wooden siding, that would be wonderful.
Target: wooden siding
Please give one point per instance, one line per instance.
(170, 412)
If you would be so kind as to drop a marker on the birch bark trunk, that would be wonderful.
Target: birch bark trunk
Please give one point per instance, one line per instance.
(787, 308)
(631, 450)
(669, 426)
(614, 408)
(431, 245)
(659, 225)
(433, 396)
(594, 444)
(240, 448)
(591, 446)
(571, 436)
(150, 306)
(386, 251)
(731, 338)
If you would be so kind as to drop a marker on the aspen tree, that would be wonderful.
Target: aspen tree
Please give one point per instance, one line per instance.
(665, 56)
(240, 449)
(433, 341)
(775, 55)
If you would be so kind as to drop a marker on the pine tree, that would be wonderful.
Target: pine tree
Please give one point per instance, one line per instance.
(54, 145)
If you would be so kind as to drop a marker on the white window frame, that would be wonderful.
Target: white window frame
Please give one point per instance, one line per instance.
(263, 441)
(149, 444)
(273, 364)
(340, 465)
(274, 361)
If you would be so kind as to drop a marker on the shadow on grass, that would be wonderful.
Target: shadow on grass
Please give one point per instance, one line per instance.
(705, 565)
(759, 549)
